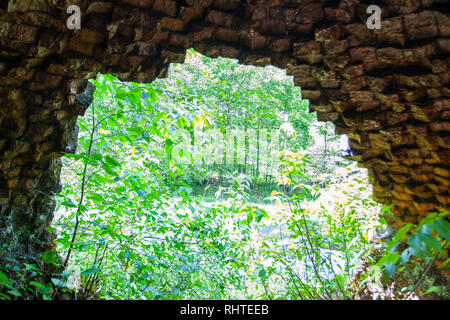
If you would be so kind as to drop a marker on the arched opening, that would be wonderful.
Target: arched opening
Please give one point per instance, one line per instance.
(143, 215)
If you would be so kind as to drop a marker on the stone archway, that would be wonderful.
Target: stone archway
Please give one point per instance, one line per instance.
(387, 89)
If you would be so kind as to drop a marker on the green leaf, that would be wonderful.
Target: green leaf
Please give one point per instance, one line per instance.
(98, 225)
(29, 267)
(14, 292)
(4, 281)
(57, 282)
(262, 273)
(153, 97)
(188, 190)
(51, 257)
(419, 246)
(389, 269)
(68, 204)
(4, 296)
(36, 284)
(90, 271)
(402, 231)
(431, 242)
(74, 156)
(99, 178)
(443, 228)
(141, 193)
(259, 216)
(95, 197)
(249, 217)
(109, 170)
(385, 209)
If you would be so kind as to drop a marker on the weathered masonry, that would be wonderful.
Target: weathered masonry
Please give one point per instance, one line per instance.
(387, 89)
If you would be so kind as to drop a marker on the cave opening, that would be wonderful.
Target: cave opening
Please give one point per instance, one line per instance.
(209, 174)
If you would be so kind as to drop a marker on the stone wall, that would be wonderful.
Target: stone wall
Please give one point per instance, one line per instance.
(387, 89)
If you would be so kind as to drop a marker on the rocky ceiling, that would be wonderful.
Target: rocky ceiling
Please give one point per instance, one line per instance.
(388, 89)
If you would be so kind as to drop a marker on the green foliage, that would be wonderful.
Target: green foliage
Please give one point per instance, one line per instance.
(226, 95)
(320, 248)
(137, 233)
(133, 223)
(27, 280)
(129, 227)
(426, 241)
